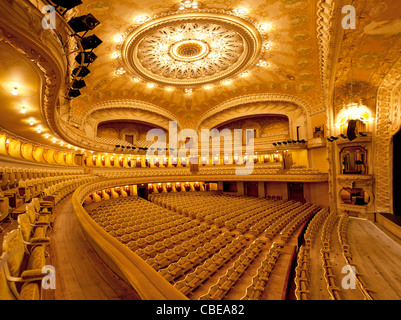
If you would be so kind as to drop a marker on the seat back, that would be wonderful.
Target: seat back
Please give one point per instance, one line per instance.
(25, 227)
(4, 206)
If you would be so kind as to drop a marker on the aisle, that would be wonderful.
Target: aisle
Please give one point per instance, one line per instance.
(80, 273)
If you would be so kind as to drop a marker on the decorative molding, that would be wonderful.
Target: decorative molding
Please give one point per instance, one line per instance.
(301, 105)
(388, 123)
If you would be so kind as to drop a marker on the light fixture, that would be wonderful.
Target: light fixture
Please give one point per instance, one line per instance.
(136, 79)
(226, 82)
(15, 92)
(39, 130)
(23, 109)
(245, 74)
(120, 71)
(151, 85)
(208, 87)
(169, 89)
(90, 42)
(118, 38)
(268, 46)
(83, 23)
(265, 27)
(188, 91)
(240, 11)
(262, 63)
(141, 19)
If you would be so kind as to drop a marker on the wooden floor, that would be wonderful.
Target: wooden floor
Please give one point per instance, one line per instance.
(378, 257)
(80, 273)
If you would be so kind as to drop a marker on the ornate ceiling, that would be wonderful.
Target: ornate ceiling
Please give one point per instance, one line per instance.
(188, 64)
(201, 67)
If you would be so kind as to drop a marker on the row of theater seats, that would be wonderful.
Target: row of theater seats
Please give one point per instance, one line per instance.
(10, 177)
(226, 282)
(302, 270)
(23, 258)
(186, 239)
(255, 290)
(326, 252)
(221, 209)
(45, 183)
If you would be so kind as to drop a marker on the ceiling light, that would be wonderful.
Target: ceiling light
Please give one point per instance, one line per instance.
(39, 130)
(151, 85)
(245, 74)
(119, 38)
(265, 27)
(208, 87)
(141, 19)
(240, 11)
(14, 92)
(169, 89)
(188, 91)
(136, 79)
(115, 55)
(268, 45)
(23, 109)
(120, 71)
(226, 82)
(46, 136)
(262, 63)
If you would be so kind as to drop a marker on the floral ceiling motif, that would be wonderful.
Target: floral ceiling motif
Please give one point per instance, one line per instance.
(288, 62)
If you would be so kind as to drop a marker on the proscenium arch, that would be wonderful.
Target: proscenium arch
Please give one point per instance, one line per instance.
(262, 104)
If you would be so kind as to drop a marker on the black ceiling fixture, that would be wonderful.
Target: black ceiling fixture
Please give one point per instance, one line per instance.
(78, 84)
(66, 5)
(81, 71)
(88, 57)
(73, 93)
(90, 42)
(83, 23)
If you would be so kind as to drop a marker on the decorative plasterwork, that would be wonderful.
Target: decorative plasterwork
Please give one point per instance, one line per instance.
(298, 107)
(111, 105)
(191, 49)
(349, 181)
(388, 123)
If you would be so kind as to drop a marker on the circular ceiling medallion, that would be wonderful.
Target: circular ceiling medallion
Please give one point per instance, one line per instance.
(191, 49)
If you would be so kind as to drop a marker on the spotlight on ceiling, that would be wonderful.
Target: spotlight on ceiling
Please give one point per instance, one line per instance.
(90, 42)
(83, 23)
(67, 4)
(81, 72)
(73, 93)
(88, 57)
(78, 84)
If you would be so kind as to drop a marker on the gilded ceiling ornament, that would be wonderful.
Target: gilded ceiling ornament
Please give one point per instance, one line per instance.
(192, 48)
